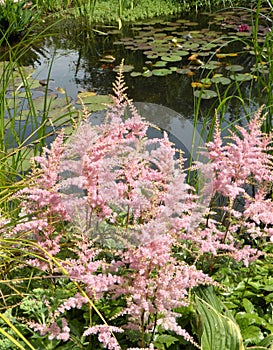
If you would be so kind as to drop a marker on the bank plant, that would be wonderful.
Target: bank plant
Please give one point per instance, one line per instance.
(110, 247)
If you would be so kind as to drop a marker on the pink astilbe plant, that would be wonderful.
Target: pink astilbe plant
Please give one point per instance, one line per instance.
(121, 190)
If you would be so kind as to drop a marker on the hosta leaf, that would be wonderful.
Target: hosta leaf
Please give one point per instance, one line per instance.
(219, 331)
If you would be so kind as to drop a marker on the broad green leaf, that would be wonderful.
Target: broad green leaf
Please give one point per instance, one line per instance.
(249, 307)
(219, 331)
(135, 74)
(147, 73)
(160, 64)
(221, 80)
(252, 334)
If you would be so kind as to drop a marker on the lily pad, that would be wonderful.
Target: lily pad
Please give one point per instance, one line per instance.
(39, 102)
(160, 64)
(181, 52)
(60, 102)
(147, 73)
(204, 83)
(211, 65)
(108, 59)
(241, 77)
(171, 58)
(152, 57)
(221, 80)
(24, 115)
(135, 74)
(191, 46)
(224, 55)
(183, 70)
(205, 94)
(25, 156)
(99, 101)
(235, 68)
(209, 46)
(60, 117)
(86, 94)
(161, 72)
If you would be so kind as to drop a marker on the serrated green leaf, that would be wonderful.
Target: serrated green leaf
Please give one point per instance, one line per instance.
(165, 339)
(252, 334)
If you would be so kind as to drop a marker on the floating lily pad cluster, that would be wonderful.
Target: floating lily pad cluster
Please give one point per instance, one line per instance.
(183, 47)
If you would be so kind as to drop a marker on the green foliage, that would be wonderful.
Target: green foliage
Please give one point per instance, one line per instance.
(15, 18)
(249, 296)
(93, 11)
(53, 6)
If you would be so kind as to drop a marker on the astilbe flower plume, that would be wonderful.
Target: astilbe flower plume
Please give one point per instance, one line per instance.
(243, 174)
(244, 159)
(157, 284)
(42, 205)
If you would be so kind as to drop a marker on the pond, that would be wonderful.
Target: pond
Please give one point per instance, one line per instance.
(162, 57)
(169, 64)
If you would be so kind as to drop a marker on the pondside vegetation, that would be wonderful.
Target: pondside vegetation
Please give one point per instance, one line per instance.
(106, 242)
